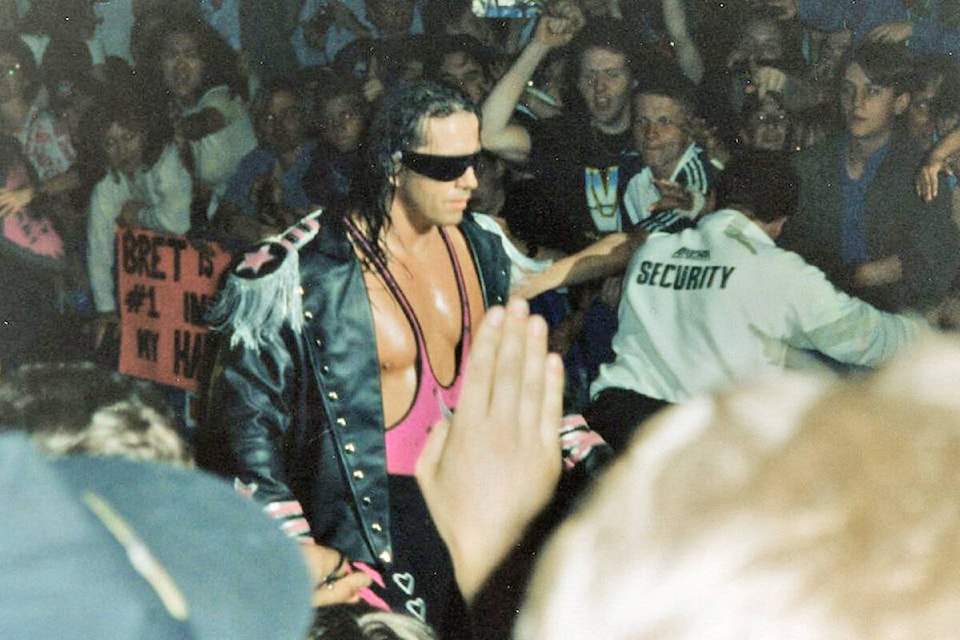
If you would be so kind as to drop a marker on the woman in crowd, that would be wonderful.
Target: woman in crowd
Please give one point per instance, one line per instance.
(44, 140)
(198, 75)
(141, 182)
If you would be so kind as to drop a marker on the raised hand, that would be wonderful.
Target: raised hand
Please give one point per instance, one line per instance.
(490, 469)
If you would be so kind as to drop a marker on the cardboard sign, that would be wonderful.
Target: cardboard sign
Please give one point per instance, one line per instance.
(165, 287)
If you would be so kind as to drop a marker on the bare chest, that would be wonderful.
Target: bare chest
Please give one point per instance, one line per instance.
(418, 316)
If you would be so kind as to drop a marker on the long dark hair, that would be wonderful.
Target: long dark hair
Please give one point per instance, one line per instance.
(219, 60)
(398, 126)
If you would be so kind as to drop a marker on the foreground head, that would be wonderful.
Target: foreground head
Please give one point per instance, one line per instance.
(874, 90)
(794, 507)
(422, 146)
(79, 408)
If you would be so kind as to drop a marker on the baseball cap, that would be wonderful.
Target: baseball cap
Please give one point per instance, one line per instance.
(112, 548)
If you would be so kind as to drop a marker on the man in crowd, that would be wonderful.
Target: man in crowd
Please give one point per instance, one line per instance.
(720, 303)
(862, 223)
(677, 168)
(582, 161)
(346, 343)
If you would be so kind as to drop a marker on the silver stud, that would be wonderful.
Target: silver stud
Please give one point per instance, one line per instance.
(350, 448)
(387, 557)
(319, 342)
(333, 395)
(341, 422)
(303, 291)
(325, 369)
(366, 500)
(376, 527)
(308, 315)
(358, 474)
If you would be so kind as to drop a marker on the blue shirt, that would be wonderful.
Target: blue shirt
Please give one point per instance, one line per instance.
(260, 162)
(853, 228)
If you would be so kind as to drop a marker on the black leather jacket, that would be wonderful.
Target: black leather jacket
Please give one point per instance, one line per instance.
(304, 421)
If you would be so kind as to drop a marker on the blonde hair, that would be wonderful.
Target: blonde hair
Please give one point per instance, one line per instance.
(796, 507)
(79, 408)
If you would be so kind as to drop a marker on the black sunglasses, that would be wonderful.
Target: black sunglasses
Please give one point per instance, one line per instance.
(442, 168)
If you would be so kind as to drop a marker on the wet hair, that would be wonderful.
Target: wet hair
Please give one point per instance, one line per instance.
(765, 182)
(11, 44)
(398, 125)
(81, 408)
(885, 64)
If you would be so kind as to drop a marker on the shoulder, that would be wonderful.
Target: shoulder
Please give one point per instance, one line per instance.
(262, 295)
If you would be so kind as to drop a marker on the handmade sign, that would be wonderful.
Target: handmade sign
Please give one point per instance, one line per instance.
(165, 287)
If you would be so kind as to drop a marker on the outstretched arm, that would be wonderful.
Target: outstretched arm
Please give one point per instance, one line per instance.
(498, 134)
(605, 257)
(488, 471)
(688, 56)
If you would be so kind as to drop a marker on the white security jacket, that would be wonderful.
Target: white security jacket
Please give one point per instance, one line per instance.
(721, 303)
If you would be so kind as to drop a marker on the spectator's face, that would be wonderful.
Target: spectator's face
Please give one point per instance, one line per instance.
(605, 84)
(391, 17)
(283, 122)
(658, 132)
(124, 148)
(428, 202)
(947, 122)
(870, 109)
(11, 77)
(489, 195)
(920, 120)
(763, 41)
(342, 122)
(767, 127)
(182, 66)
(461, 71)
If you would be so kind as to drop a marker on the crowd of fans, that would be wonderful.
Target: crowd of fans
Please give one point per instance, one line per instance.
(602, 122)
